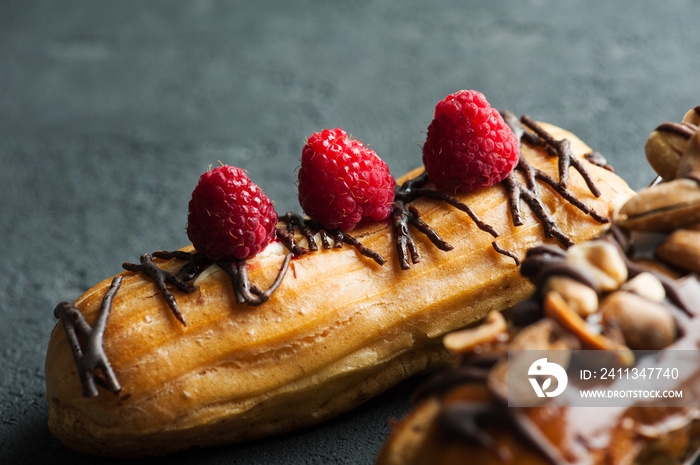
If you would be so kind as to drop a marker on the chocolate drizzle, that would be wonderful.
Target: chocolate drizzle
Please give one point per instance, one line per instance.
(161, 278)
(684, 130)
(599, 160)
(530, 194)
(529, 191)
(562, 150)
(544, 261)
(309, 228)
(237, 270)
(196, 263)
(87, 344)
(404, 216)
(246, 293)
(90, 356)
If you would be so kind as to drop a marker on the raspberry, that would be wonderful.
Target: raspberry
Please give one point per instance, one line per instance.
(229, 216)
(468, 146)
(342, 183)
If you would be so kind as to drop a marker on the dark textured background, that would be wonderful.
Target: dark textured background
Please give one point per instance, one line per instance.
(110, 111)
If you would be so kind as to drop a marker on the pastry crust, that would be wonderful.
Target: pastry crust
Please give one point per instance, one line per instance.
(338, 330)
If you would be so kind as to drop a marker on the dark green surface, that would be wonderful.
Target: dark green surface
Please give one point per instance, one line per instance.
(110, 111)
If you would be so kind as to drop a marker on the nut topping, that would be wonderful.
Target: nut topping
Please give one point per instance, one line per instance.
(681, 248)
(646, 285)
(692, 116)
(665, 146)
(602, 261)
(645, 324)
(690, 160)
(662, 207)
(581, 298)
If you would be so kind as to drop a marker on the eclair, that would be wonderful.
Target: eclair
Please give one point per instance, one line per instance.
(190, 349)
(632, 293)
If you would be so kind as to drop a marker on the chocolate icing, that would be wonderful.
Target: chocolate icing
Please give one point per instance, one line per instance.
(544, 261)
(160, 277)
(245, 292)
(309, 228)
(562, 150)
(403, 216)
(598, 160)
(529, 191)
(89, 354)
(237, 270)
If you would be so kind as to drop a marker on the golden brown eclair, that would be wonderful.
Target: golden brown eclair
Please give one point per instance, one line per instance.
(339, 329)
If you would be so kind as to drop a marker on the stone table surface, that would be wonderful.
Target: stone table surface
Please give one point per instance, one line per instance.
(110, 111)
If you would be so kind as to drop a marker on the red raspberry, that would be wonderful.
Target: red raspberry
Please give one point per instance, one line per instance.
(469, 146)
(342, 183)
(229, 216)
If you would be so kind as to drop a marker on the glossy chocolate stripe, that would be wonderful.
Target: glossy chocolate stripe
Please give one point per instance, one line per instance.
(681, 129)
